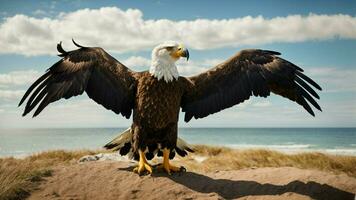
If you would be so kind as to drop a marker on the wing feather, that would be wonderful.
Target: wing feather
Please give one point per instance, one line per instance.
(250, 72)
(92, 70)
(309, 80)
(38, 81)
(306, 86)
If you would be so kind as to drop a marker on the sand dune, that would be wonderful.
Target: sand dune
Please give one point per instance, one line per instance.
(115, 180)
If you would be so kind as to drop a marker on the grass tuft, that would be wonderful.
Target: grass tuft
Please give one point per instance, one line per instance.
(231, 159)
(18, 177)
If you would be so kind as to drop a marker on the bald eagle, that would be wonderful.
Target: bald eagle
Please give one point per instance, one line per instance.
(156, 96)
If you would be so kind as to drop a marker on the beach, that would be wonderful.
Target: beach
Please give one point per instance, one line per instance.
(236, 163)
(115, 180)
(340, 141)
(211, 173)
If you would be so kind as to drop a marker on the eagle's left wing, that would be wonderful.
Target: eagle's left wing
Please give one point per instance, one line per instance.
(250, 72)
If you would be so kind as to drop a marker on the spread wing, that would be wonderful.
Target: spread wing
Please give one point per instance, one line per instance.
(249, 72)
(105, 80)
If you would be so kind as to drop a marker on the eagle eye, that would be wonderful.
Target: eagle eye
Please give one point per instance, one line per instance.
(169, 48)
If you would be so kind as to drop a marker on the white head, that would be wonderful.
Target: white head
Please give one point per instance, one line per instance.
(163, 61)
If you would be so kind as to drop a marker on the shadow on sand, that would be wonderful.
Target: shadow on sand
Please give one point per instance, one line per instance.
(230, 189)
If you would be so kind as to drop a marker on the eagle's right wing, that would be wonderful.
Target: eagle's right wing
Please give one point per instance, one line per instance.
(106, 81)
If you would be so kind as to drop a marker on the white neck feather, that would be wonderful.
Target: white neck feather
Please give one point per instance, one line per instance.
(165, 69)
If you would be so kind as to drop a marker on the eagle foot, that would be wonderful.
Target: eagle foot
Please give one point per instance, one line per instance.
(142, 165)
(142, 168)
(167, 166)
(171, 168)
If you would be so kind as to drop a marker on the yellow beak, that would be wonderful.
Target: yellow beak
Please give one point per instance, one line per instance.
(181, 52)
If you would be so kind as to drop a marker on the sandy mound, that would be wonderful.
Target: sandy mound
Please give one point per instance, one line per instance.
(114, 180)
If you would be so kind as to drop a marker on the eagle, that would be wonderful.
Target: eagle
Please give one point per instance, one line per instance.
(156, 96)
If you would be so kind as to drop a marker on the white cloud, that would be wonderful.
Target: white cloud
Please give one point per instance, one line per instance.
(15, 78)
(39, 12)
(262, 104)
(137, 61)
(212, 62)
(121, 31)
(10, 95)
(76, 112)
(191, 68)
(333, 79)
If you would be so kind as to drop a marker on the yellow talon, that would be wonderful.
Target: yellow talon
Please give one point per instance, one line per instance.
(142, 164)
(166, 166)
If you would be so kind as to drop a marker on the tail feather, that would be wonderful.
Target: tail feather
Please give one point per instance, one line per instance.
(122, 143)
(119, 141)
(182, 147)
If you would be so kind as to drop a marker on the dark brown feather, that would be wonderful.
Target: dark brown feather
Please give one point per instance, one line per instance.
(33, 86)
(105, 80)
(250, 72)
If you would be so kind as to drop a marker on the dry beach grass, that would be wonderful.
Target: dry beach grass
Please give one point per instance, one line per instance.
(18, 177)
(220, 158)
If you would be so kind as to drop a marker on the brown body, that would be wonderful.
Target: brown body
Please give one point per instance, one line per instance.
(156, 112)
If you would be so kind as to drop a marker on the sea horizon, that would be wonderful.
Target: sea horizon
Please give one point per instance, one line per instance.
(223, 127)
(21, 142)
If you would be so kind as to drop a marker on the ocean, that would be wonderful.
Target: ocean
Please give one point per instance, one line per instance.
(23, 142)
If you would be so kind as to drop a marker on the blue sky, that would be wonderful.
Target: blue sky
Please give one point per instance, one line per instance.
(318, 36)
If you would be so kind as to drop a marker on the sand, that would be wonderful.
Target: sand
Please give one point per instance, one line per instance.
(114, 180)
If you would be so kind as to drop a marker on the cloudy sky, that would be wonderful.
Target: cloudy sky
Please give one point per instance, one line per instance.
(319, 36)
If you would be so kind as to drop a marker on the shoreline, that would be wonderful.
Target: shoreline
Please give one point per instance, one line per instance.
(286, 150)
